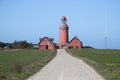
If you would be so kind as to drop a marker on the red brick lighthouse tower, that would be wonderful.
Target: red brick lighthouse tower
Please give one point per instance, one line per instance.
(63, 35)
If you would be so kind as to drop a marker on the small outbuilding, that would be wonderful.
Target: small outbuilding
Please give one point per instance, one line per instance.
(75, 43)
(46, 43)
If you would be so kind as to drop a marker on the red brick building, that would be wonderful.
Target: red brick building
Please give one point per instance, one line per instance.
(75, 43)
(46, 43)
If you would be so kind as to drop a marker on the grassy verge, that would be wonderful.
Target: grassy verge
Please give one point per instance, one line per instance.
(20, 64)
(106, 62)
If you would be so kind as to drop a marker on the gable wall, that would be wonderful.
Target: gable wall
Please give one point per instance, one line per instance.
(75, 43)
(45, 42)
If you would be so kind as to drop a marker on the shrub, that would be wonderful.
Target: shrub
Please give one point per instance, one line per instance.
(17, 68)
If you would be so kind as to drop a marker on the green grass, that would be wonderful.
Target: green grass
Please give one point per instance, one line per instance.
(106, 62)
(20, 64)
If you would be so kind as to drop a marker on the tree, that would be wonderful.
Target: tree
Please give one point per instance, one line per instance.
(16, 45)
(21, 44)
(8, 45)
(2, 45)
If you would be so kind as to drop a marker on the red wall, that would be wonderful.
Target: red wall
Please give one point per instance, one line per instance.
(52, 47)
(63, 36)
(42, 47)
(45, 42)
(75, 43)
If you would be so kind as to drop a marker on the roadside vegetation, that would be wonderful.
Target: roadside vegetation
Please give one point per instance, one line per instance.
(106, 62)
(20, 64)
(16, 45)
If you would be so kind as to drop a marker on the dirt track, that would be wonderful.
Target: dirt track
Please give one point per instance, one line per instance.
(66, 67)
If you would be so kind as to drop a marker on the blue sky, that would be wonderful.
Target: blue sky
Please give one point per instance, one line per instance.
(88, 19)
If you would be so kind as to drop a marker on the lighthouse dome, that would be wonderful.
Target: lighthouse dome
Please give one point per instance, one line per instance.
(64, 24)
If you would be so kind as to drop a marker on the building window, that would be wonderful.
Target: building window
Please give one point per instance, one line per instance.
(77, 46)
(71, 47)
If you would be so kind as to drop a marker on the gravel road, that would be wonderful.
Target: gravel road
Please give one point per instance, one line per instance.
(66, 67)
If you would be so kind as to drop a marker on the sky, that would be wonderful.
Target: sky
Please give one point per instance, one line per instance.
(90, 20)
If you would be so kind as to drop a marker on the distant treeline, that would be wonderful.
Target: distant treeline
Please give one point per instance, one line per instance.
(16, 45)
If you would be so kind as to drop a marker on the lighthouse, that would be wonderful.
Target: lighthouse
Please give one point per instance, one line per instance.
(63, 32)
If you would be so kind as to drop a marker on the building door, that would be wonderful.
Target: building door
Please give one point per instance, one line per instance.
(46, 46)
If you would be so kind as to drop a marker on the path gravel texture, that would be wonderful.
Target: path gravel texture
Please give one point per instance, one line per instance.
(66, 67)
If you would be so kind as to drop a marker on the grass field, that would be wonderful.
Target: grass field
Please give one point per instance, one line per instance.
(106, 62)
(19, 64)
